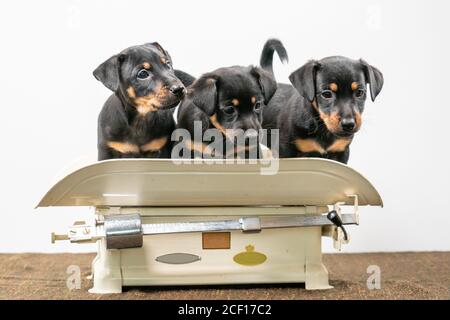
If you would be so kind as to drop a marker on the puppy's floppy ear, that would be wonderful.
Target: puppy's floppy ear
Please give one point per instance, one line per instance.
(203, 93)
(374, 77)
(266, 82)
(108, 72)
(304, 79)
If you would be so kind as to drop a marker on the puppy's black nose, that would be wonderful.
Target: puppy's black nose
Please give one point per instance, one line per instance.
(177, 90)
(348, 124)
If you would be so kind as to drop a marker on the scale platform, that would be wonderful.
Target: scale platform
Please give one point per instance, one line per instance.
(160, 222)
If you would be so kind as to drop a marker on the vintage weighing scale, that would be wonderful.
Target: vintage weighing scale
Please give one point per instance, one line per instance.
(195, 223)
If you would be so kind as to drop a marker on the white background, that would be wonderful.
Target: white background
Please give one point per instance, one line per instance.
(50, 100)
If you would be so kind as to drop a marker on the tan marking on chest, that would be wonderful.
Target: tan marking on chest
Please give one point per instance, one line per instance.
(123, 147)
(309, 145)
(143, 109)
(198, 146)
(155, 144)
(339, 145)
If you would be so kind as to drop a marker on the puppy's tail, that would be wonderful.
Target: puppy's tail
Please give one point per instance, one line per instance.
(270, 47)
(185, 77)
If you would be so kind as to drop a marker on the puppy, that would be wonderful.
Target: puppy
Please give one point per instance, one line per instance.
(231, 102)
(319, 115)
(136, 120)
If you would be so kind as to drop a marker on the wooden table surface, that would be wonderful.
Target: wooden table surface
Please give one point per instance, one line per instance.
(403, 276)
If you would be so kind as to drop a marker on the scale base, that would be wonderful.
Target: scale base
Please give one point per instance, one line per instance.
(285, 256)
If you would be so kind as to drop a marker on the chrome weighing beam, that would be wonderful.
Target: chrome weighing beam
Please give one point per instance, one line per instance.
(126, 230)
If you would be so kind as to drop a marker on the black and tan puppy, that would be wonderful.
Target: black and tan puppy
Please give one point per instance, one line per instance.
(136, 121)
(319, 115)
(231, 101)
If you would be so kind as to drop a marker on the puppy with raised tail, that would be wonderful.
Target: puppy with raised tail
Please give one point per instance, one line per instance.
(321, 111)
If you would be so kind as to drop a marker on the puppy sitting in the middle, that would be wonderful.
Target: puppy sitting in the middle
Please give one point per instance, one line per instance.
(229, 101)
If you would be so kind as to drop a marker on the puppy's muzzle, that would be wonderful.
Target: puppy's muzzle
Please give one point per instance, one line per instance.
(178, 91)
(348, 125)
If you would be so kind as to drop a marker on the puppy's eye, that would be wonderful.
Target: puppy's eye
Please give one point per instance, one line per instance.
(257, 107)
(143, 74)
(359, 93)
(327, 94)
(230, 110)
(169, 63)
